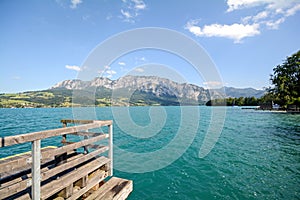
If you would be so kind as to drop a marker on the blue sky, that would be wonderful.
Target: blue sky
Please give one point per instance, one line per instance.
(45, 42)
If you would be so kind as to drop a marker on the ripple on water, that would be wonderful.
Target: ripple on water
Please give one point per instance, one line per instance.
(256, 157)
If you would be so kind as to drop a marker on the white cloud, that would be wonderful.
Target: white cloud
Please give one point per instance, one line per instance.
(140, 70)
(73, 67)
(274, 24)
(271, 14)
(273, 9)
(261, 15)
(234, 31)
(139, 4)
(269, 4)
(241, 4)
(131, 9)
(111, 72)
(292, 10)
(126, 14)
(107, 72)
(122, 63)
(75, 3)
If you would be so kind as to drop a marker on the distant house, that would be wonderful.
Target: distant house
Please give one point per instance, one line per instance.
(269, 106)
(275, 106)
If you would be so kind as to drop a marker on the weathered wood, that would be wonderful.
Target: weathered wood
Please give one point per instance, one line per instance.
(13, 189)
(110, 151)
(76, 121)
(29, 137)
(23, 184)
(89, 134)
(115, 188)
(75, 145)
(36, 169)
(75, 177)
(61, 183)
(82, 182)
(64, 137)
(72, 163)
(24, 160)
(13, 177)
(16, 185)
(19, 184)
(68, 191)
(99, 176)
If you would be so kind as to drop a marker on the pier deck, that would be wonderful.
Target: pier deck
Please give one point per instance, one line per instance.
(76, 169)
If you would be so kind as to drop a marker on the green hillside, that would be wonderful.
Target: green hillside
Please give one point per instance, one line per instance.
(101, 97)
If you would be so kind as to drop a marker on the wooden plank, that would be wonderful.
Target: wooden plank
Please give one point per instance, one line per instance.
(29, 137)
(17, 185)
(24, 160)
(14, 189)
(98, 177)
(72, 163)
(90, 134)
(23, 184)
(80, 121)
(75, 145)
(13, 177)
(64, 182)
(76, 121)
(55, 186)
(115, 188)
(20, 161)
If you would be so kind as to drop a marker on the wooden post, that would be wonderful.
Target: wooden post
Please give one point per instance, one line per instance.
(36, 169)
(86, 151)
(60, 159)
(64, 137)
(110, 151)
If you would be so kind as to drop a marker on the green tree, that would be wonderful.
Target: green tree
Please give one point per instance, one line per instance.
(286, 81)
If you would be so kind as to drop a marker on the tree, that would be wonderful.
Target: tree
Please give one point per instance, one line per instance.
(286, 81)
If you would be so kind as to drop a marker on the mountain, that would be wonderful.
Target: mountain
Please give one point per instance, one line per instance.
(241, 92)
(148, 89)
(127, 90)
(157, 85)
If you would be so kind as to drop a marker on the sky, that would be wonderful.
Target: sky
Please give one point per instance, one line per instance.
(45, 42)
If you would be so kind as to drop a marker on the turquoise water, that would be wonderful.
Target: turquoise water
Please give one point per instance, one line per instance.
(256, 157)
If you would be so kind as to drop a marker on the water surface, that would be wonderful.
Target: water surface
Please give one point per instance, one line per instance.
(256, 157)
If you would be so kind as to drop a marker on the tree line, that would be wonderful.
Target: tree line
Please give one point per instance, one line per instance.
(241, 101)
(284, 89)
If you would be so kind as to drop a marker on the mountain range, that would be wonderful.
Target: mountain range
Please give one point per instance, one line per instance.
(127, 90)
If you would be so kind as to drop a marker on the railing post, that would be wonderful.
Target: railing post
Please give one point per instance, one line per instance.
(110, 151)
(36, 169)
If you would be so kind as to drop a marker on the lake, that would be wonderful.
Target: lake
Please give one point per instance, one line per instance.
(257, 155)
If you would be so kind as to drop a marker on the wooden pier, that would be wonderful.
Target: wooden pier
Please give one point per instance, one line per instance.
(77, 169)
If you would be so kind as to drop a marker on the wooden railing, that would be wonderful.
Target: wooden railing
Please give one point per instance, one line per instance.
(51, 170)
